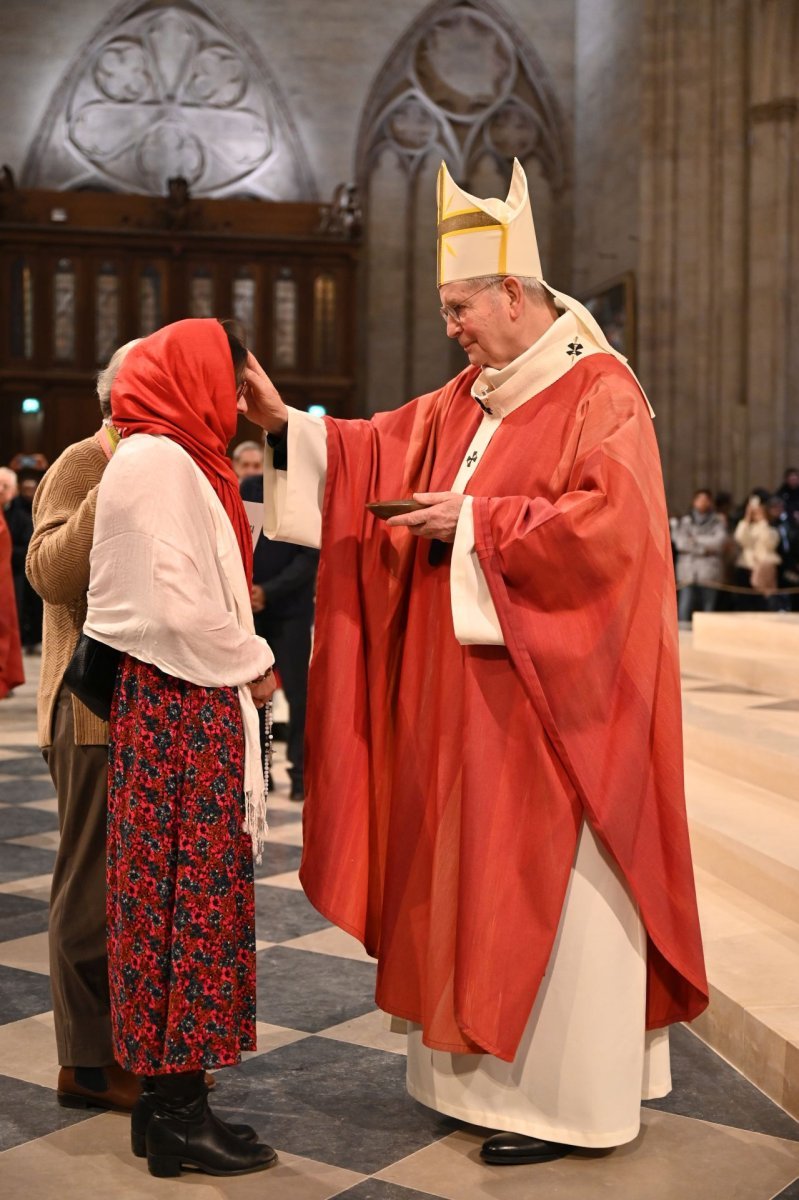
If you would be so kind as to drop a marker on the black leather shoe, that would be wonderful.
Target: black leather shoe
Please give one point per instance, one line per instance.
(142, 1114)
(514, 1149)
(183, 1132)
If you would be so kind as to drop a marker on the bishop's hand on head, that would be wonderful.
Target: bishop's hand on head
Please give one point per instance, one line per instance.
(260, 400)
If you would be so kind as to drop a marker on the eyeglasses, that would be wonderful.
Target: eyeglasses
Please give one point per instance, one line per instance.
(453, 312)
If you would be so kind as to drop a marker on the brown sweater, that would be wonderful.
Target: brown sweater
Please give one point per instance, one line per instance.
(58, 568)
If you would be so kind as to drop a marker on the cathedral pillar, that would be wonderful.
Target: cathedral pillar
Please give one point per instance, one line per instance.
(773, 244)
(692, 337)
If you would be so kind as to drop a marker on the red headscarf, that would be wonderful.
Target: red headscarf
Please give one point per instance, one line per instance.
(179, 383)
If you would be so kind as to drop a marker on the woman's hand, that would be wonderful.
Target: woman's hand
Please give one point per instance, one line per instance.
(260, 400)
(263, 688)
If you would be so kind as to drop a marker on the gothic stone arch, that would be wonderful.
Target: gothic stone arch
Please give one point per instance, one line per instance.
(465, 85)
(166, 88)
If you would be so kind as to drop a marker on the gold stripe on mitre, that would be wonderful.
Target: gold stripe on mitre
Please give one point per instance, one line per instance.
(471, 218)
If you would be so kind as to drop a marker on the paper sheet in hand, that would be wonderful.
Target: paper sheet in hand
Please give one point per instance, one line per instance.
(255, 515)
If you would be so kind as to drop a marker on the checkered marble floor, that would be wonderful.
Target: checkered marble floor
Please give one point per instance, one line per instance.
(326, 1086)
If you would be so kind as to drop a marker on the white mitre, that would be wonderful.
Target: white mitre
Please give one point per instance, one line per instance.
(497, 237)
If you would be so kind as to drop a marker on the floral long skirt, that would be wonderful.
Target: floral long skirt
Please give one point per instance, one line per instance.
(181, 913)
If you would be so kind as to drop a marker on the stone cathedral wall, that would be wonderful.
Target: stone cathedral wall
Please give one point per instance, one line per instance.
(659, 137)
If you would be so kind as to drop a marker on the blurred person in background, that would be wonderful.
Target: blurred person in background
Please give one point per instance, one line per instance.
(758, 555)
(723, 502)
(788, 570)
(19, 516)
(248, 459)
(788, 492)
(11, 670)
(75, 745)
(700, 539)
(8, 487)
(284, 583)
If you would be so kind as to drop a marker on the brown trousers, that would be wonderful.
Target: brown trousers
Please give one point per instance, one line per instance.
(78, 954)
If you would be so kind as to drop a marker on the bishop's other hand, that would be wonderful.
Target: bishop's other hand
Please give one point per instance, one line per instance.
(260, 400)
(438, 519)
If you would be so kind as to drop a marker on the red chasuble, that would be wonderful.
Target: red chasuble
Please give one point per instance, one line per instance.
(446, 784)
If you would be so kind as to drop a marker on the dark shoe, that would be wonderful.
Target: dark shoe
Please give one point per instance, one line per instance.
(183, 1132)
(513, 1149)
(142, 1115)
(98, 1087)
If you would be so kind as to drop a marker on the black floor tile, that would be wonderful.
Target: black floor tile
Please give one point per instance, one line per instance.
(789, 1193)
(732, 689)
(27, 762)
(30, 1111)
(21, 916)
(278, 859)
(20, 789)
(284, 913)
(311, 992)
(23, 994)
(333, 1102)
(282, 816)
(708, 1088)
(378, 1189)
(20, 822)
(23, 862)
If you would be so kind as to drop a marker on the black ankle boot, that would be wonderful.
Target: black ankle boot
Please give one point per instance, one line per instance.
(184, 1132)
(142, 1114)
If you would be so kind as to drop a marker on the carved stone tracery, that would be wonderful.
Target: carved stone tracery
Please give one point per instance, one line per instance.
(164, 90)
(464, 84)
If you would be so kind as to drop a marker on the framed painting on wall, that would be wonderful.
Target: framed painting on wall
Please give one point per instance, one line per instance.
(613, 306)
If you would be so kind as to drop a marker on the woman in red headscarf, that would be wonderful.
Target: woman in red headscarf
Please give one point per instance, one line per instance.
(170, 588)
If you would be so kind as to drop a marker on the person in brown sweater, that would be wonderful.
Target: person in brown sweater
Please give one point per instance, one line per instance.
(75, 745)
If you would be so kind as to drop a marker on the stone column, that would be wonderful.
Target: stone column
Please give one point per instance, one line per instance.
(773, 251)
(692, 334)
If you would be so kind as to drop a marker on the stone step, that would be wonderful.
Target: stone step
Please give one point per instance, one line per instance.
(759, 651)
(746, 836)
(752, 956)
(772, 633)
(759, 745)
(771, 673)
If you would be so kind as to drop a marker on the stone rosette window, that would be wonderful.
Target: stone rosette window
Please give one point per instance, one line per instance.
(166, 90)
(461, 85)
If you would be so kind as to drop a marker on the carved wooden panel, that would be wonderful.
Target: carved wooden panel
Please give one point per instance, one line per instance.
(111, 268)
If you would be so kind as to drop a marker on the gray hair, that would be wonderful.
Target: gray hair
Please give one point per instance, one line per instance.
(9, 477)
(243, 447)
(106, 377)
(533, 288)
